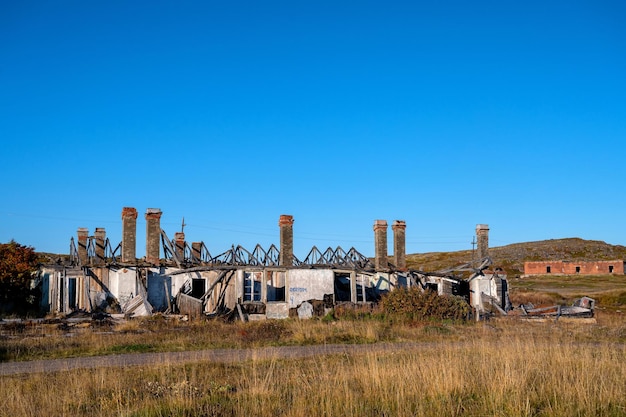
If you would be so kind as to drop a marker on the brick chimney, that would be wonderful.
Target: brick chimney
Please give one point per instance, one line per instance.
(83, 237)
(380, 245)
(196, 250)
(153, 235)
(100, 235)
(482, 237)
(285, 258)
(179, 241)
(129, 234)
(399, 244)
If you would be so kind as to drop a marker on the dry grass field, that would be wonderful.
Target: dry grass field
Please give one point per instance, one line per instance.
(506, 367)
(503, 367)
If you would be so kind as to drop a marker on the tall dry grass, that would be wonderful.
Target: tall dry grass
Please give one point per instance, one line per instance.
(503, 368)
(159, 335)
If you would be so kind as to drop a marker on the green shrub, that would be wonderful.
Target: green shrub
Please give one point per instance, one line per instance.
(414, 305)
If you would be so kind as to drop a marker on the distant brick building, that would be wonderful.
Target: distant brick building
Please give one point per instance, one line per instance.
(574, 267)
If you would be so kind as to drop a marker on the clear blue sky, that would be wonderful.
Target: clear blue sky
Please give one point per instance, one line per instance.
(231, 113)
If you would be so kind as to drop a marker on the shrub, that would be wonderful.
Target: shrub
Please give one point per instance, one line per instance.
(17, 263)
(415, 305)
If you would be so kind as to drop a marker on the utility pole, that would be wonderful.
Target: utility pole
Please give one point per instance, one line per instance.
(473, 246)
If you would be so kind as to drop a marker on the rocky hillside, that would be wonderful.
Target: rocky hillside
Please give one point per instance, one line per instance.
(512, 257)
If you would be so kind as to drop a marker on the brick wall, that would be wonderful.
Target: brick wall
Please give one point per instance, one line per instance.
(573, 267)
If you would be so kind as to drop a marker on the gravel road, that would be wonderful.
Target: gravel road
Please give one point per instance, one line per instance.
(213, 355)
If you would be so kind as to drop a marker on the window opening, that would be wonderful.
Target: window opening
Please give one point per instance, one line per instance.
(276, 285)
(548, 270)
(342, 287)
(610, 269)
(71, 296)
(61, 299)
(461, 289)
(252, 286)
(197, 287)
(577, 269)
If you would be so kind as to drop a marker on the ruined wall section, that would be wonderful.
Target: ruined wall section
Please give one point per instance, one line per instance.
(574, 267)
(308, 284)
(123, 284)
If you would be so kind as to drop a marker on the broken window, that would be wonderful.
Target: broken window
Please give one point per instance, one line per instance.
(368, 289)
(548, 270)
(403, 281)
(445, 288)
(276, 285)
(252, 286)
(610, 269)
(577, 269)
(71, 293)
(342, 287)
(67, 294)
(197, 287)
(461, 289)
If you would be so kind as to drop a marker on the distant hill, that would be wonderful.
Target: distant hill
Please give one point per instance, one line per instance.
(511, 258)
(52, 258)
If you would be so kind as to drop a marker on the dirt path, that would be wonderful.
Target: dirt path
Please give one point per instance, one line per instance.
(213, 355)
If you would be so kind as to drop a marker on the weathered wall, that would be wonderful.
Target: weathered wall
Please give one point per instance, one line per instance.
(277, 310)
(157, 295)
(47, 277)
(177, 281)
(161, 278)
(190, 306)
(98, 287)
(383, 281)
(63, 289)
(573, 268)
(308, 284)
(230, 300)
(123, 284)
(487, 285)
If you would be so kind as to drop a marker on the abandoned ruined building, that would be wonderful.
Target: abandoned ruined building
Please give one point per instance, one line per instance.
(615, 267)
(251, 285)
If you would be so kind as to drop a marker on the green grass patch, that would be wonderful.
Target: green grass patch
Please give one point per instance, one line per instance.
(132, 348)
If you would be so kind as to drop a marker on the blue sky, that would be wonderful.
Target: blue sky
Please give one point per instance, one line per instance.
(229, 114)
